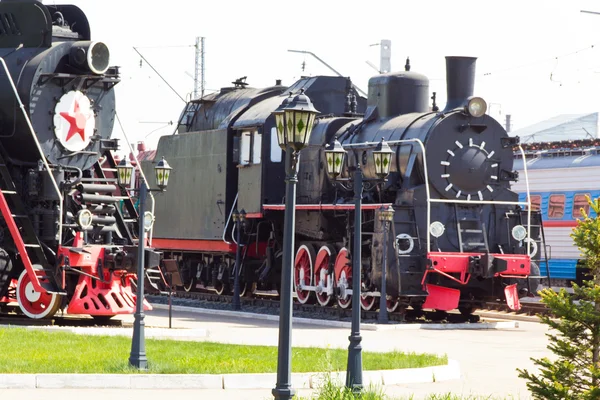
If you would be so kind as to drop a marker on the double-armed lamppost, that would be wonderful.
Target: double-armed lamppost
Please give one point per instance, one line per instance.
(334, 159)
(386, 215)
(137, 357)
(294, 120)
(240, 220)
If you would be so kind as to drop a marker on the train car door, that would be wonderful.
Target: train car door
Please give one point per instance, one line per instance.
(250, 183)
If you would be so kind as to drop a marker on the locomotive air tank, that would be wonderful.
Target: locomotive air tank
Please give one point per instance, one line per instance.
(61, 78)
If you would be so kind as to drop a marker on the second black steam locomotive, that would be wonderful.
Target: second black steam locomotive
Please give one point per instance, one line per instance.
(459, 236)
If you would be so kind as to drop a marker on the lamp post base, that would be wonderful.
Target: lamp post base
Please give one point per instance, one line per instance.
(283, 393)
(354, 371)
(137, 358)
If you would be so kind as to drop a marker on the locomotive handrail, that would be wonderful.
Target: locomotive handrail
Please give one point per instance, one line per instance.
(39, 147)
(229, 218)
(430, 200)
(528, 200)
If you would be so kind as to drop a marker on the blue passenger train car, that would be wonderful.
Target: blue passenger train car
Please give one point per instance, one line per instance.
(560, 176)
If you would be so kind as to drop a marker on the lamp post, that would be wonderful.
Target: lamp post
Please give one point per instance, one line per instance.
(334, 160)
(294, 120)
(137, 357)
(386, 215)
(240, 219)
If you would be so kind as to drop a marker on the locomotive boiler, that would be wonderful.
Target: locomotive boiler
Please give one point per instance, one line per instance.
(459, 237)
(67, 230)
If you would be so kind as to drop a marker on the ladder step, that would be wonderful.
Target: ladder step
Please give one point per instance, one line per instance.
(9, 192)
(32, 245)
(109, 169)
(20, 216)
(472, 230)
(475, 244)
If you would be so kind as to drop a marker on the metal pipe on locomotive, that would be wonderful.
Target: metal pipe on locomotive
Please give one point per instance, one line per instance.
(459, 236)
(68, 230)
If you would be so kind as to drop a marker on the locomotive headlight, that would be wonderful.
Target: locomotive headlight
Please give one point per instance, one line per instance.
(519, 232)
(84, 218)
(436, 229)
(91, 56)
(476, 107)
(148, 220)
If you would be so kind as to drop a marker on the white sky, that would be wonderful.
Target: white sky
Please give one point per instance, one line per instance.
(516, 42)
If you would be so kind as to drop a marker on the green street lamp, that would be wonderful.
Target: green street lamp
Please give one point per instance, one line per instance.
(137, 357)
(334, 161)
(382, 156)
(280, 122)
(294, 121)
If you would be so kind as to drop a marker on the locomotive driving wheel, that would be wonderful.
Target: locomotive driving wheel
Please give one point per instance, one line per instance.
(367, 303)
(303, 272)
(392, 304)
(34, 304)
(325, 255)
(343, 278)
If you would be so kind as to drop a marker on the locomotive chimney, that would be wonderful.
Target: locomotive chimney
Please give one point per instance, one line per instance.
(460, 80)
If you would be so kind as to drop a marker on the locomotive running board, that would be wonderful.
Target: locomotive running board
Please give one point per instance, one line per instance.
(332, 207)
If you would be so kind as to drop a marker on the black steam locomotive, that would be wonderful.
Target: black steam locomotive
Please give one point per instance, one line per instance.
(459, 234)
(67, 232)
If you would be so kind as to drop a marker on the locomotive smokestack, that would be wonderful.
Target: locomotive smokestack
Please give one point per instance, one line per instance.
(460, 80)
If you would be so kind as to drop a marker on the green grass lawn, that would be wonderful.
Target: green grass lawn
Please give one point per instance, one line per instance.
(33, 351)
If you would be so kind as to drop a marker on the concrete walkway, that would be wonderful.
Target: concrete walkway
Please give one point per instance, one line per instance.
(488, 358)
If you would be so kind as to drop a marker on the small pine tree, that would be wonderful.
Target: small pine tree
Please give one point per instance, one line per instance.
(575, 371)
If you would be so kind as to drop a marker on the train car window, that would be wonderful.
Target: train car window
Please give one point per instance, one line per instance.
(256, 147)
(536, 202)
(556, 206)
(579, 202)
(245, 148)
(276, 152)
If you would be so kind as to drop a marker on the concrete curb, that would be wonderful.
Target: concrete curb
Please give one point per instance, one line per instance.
(343, 324)
(221, 381)
(149, 332)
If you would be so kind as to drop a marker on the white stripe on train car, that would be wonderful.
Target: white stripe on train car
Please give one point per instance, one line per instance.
(560, 242)
(559, 179)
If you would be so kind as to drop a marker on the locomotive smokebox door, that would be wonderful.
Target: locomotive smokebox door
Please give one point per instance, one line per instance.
(250, 170)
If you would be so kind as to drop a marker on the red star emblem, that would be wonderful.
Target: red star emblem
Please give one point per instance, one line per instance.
(78, 121)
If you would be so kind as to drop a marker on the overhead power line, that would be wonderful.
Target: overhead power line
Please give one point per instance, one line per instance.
(160, 76)
(540, 61)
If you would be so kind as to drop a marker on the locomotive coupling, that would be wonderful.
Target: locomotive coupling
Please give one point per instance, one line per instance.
(126, 258)
(486, 265)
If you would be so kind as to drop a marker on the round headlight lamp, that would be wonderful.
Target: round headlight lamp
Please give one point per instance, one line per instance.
(436, 229)
(519, 232)
(148, 220)
(476, 107)
(84, 218)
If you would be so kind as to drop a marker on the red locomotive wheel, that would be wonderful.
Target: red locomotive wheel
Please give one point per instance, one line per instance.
(34, 304)
(324, 256)
(367, 303)
(303, 272)
(343, 277)
(392, 304)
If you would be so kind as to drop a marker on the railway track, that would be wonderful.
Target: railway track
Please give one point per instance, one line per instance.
(270, 305)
